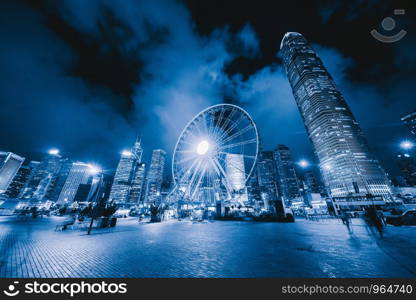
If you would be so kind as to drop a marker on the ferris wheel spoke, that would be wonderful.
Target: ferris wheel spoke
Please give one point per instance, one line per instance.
(201, 176)
(236, 167)
(244, 155)
(218, 182)
(237, 134)
(191, 182)
(222, 111)
(223, 127)
(187, 172)
(252, 141)
(232, 127)
(186, 159)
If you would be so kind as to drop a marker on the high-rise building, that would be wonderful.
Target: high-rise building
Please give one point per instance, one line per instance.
(288, 181)
(20, 180)
(125, 174)
(346, 163)
(407, 167)
(410, 121)
(155, 177)
(137, 185)
(234, 165)
(312, 184)
(80, 173)
(9, 166)
(267, 178)
(47, 179)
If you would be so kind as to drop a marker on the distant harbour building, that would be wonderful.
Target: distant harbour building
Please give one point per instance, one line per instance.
(407, 167)
(155, 177)
(125, 174)
(9, 166)
(235, 170)
(267, 179)
(80, 173)
(137, 185)
(348, 167)
(19, 181)
(288, 181)
(47, 179)
(410, 121)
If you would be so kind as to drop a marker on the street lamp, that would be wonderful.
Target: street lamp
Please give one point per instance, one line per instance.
(406, 145)
(303, 163)
(53, 151)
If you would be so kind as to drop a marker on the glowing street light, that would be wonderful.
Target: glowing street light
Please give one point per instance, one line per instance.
(53, 151)
(94, 170)
(303, 163)
(406, 145)
(126, 153)
(202, 148)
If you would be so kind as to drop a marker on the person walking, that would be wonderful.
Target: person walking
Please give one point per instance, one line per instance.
(346, 220)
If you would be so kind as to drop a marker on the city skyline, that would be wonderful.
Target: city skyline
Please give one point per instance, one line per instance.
(96, 115)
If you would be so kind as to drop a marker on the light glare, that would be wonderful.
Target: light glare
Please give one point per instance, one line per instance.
(126, 153)
(303, 163)
(406, 145)
(53, 151)
(202, 147)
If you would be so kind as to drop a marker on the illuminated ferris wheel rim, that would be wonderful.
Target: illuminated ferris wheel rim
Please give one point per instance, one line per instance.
(199, 115)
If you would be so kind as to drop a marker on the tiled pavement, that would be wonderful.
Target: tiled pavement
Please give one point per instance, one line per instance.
(31, 248)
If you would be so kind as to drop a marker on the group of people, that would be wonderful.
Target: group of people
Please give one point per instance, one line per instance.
(372, 217)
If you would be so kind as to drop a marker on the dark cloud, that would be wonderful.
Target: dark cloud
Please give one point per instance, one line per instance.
(88, 76)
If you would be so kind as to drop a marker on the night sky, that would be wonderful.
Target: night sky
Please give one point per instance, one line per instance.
(88, 76)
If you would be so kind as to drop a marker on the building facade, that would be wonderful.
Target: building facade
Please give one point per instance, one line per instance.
(267, 178)
(125, 174)
(80, 173)
(288, 181)
(346, 163)
(410, 121)
(155, 177)
(235, 170)
(48, 178)
(22, 177)
(9, 166)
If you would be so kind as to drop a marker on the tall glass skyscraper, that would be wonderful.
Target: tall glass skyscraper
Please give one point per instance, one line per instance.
(9, 166)
(47, 178)
(80, 173)
(346, 163)
(126, 174)
(410, 121)
(155, 177)
(236, 175)
(267, 178)
(288, 181)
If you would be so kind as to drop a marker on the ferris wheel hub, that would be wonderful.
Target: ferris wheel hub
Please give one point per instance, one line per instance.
(203, 147)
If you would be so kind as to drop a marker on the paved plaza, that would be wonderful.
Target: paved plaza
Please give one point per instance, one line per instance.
(31, 248)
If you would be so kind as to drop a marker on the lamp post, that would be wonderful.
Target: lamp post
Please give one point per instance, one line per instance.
(95, 192)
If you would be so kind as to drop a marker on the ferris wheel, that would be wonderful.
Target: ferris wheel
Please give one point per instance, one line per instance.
(215, 155)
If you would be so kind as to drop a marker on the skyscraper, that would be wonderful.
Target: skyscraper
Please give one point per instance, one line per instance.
(155, 177)
(234, 164)
(137, 185)
(9, 166)
(407, 167)
(125, 174)
(80, 173)
(47, 179)
(20, 180)
(346, 163)
(288, 181)
(410, 121)
(267, 178)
